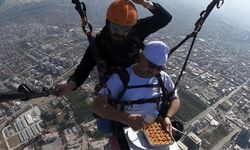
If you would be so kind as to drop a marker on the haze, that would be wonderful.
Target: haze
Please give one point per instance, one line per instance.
(236, 12)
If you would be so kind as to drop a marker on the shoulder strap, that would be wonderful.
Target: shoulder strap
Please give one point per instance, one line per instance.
(165, 95)
(124, 77)
(164, 90)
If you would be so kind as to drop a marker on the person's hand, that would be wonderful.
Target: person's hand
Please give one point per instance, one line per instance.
(141, 2)
(136, 122)
(64, 87)
(168, 124)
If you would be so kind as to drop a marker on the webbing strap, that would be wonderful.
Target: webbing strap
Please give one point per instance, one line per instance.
(140, 101)
(143, 86)
(198, 25)
(126, 87)
(165, 97)
(87, 29)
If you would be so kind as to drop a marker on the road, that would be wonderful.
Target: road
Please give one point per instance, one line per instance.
(215, 105)
(65, 74)
(225, 139)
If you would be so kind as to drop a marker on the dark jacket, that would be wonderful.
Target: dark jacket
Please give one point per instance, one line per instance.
(124, 54)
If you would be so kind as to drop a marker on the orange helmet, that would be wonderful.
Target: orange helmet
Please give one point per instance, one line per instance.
(122, 12)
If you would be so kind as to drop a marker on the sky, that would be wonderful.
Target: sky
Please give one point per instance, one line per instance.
(235, 11)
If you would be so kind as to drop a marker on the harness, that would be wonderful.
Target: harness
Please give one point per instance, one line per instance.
(80, 7)
(120, 104)
(115, 62)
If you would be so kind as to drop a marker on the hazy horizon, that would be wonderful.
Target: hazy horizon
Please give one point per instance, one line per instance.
(234, 11)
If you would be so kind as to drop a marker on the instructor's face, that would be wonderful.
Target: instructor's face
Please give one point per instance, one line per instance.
(119, 32)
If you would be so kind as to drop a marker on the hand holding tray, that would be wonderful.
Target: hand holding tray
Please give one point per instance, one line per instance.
(156, 134)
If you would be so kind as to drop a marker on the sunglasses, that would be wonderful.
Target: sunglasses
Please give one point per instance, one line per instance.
(118, 28)
(154, 66)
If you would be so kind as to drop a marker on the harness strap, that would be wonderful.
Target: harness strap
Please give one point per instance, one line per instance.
(198, 25)
(143, 86)
(140, 101)
(166, 101)
(87, 29)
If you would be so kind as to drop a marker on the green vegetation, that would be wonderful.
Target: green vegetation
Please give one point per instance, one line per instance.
(80, 107)
(189, 107)
(214, 137)
(188, 110)
(48, 116)
(94, 135)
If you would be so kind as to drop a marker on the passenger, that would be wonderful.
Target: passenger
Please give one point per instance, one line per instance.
(143, 93)
(120, 40)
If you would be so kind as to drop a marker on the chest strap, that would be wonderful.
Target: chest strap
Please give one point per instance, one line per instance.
(140, 101)
(142, 86)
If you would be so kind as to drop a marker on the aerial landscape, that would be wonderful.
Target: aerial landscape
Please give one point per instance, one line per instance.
(42, 42)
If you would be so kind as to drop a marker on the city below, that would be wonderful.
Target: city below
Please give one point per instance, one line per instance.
(40, 50)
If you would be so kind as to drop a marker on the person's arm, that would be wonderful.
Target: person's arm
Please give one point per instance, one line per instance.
(174, 107)
(161, 17)
(102, 108)
(83, 69)
(79, 76)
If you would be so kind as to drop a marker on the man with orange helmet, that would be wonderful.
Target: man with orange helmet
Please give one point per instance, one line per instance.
(120, 40)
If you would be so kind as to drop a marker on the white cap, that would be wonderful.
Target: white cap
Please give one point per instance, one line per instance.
(156, 52)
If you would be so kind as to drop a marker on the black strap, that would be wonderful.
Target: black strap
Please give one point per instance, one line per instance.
(164, 90)
(166, 101)
(87, 29)
(143, 86)
(116, 126)
(198, 25)
(124, 77)
(140, 101)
